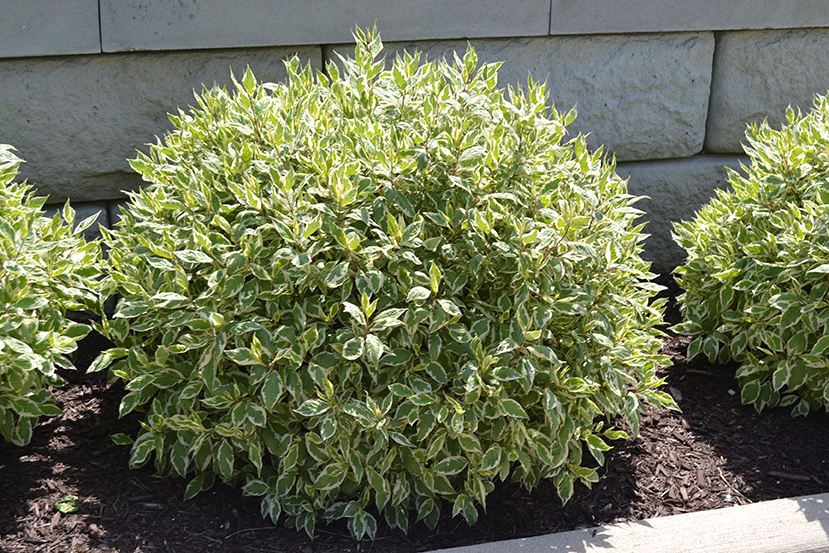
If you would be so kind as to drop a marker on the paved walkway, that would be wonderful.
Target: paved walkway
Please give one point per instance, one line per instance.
(797, 525)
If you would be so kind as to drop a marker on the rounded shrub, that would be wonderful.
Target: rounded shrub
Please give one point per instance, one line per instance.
(46, 269)
(376, 291)
(757, 273)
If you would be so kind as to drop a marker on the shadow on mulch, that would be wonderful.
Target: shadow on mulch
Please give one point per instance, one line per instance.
(715, 454)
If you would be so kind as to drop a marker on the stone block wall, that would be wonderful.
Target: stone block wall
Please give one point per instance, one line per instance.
(667, 91)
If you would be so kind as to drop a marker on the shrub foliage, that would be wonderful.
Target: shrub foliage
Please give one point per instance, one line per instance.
(376, 291)
(46, 268)
(758, 258)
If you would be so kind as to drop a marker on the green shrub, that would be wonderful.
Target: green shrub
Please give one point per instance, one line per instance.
(758, 258)
(378, 291)
(46, 268)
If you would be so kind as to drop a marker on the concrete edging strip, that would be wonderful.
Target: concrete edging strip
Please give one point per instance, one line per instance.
(796, 525)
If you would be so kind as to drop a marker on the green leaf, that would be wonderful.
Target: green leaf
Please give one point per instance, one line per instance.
(193, 256)
(564, 485)
(353, 349)
(374, 349)
(272, 390)
(820, 346)
(106, 358)
(224, 460)
(312, 408)
(437, 372)
(545, 353)
(141, 449)
(170, 300)
(450, 308)
(50, 410)
(434, 278)
(6, 230)
(242, 356)
(450, 465)
(121, 439)
(797, 344)
(491, 459)
(401, 390)
(412, 232)
(512, 408)
(328, 427)
(25, 407)
(198, 484)
(418, 293)
(249, 81)
(355, 312)
(69, 504)
(337, 275)
(820, 269)
(255, 488)
(791, 316)
(331, 477)
(256, 415)
(750, 392)
(695, 347)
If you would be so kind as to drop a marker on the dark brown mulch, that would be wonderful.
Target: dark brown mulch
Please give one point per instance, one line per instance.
(715, 454)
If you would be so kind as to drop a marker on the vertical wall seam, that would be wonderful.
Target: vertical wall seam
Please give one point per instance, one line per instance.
(710, 91)
(550, 19)
(100, 29)
(323, 60)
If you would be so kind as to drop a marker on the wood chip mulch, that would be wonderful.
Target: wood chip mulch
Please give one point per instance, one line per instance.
(716, 454)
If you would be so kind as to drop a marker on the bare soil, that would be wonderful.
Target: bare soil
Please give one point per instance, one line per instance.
(716, 454)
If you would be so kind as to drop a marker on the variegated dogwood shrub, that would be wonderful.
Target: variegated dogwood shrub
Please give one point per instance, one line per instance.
(757, 273)
(46, 269)
(377, 291)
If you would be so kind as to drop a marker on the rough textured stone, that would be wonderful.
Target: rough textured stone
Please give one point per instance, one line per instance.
(163, 25)
(642, 96)
(82, 211)
(676, 189)
(631, 16)
(76, 120)
(757, 74)
(49, 28)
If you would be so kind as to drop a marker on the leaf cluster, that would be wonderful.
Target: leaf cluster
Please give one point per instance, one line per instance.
(758, 258)
(46, 269)
(376, 291)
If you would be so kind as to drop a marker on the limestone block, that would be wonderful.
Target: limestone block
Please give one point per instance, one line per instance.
(642, 96)
(676, 189)
(632, 16)
(757, 74)
(49, 28)
(76, 120)
(82, 211)
(163, 25)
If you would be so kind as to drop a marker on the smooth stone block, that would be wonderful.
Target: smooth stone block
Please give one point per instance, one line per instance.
(676, 189)
(76, 120)
(49, 28)
(637, 16)
(163, 25)
(757, 74)
(641, 96)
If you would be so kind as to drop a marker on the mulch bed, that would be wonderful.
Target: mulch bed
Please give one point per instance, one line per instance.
(716, 454)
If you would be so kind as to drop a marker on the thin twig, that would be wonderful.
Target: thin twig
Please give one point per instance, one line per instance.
(790, 476)
(249, 530)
